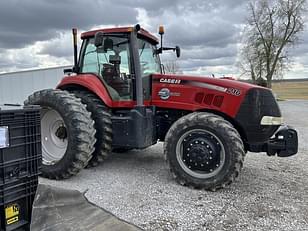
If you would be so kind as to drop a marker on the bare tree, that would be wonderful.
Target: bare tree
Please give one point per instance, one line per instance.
(252, 62)
(171, 67)
(273, 26)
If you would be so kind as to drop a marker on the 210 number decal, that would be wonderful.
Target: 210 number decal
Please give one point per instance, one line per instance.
(234, 91)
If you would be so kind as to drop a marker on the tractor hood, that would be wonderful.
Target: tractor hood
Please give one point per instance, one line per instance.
(199, 93)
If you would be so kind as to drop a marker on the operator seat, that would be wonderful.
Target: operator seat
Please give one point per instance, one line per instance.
(112, 77)
(108, 74)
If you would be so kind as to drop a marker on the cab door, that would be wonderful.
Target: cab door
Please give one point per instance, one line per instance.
(150, 64)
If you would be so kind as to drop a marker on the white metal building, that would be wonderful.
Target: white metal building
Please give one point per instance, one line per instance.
(15, 87)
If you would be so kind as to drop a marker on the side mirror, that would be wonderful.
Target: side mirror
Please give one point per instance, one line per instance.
(98, 39)
(178, 51)
(108, 44)
(137, 27)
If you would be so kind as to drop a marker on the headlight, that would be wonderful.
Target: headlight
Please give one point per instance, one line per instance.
(4, 137)
(271, 120)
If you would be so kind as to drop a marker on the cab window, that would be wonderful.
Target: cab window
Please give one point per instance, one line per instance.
(149, 60)
(111, 63)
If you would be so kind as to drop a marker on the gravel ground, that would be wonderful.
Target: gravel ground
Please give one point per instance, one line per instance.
(270, 194)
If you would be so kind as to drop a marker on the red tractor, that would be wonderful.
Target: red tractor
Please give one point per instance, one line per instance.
(117, 98)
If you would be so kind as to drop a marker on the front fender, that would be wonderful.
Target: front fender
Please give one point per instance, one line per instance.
(90, 82)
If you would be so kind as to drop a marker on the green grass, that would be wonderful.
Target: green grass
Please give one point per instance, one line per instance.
(291, 90)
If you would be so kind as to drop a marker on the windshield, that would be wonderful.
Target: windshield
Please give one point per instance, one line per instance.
(149, 60)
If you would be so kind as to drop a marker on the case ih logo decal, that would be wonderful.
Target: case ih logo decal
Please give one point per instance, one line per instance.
(172, 81)
(165, 93)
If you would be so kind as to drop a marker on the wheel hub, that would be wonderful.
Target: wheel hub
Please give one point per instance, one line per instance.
(200, 153)
(61, 132)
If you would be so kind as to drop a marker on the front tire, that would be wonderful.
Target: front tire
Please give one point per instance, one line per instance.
(204, 151)
(68, 134)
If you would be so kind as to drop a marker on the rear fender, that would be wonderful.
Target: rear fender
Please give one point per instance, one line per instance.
(90, 82)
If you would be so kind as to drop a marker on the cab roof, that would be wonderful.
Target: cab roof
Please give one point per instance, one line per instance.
(142, 32)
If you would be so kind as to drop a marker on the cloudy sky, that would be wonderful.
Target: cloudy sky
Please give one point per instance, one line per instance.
(37, 33)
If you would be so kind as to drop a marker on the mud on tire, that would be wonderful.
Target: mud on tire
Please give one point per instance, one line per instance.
(68, 134)
(102, 118)
(204, 151)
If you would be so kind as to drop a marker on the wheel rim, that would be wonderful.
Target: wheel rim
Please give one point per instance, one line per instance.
(200, 153)
(54, 136)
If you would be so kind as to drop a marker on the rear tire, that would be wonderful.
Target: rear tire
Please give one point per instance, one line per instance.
(68, 134)
(204, 151)
(102, 118)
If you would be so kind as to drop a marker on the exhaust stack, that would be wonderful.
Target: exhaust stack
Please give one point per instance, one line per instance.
(74, 30)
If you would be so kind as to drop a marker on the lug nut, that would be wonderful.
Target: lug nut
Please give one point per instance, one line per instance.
(211, 151)
(202, 142)
(207, 162)
(196, 142)
(211, 157)
(211, 170)
(207, 146)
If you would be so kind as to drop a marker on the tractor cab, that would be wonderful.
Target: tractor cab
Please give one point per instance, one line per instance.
(108, 54)
(123, 59)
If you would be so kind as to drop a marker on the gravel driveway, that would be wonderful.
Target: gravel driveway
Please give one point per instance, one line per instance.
(270, 194)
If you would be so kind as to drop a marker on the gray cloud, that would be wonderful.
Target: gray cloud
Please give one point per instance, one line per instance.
(59, 47)
(207, 31)
(28, 21)
(207, 53)
(191, 63)
(302, 48)
(178, 6)
(17, 61)
(203, 34)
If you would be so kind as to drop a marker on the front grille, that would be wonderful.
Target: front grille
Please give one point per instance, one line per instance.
(258, 102)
